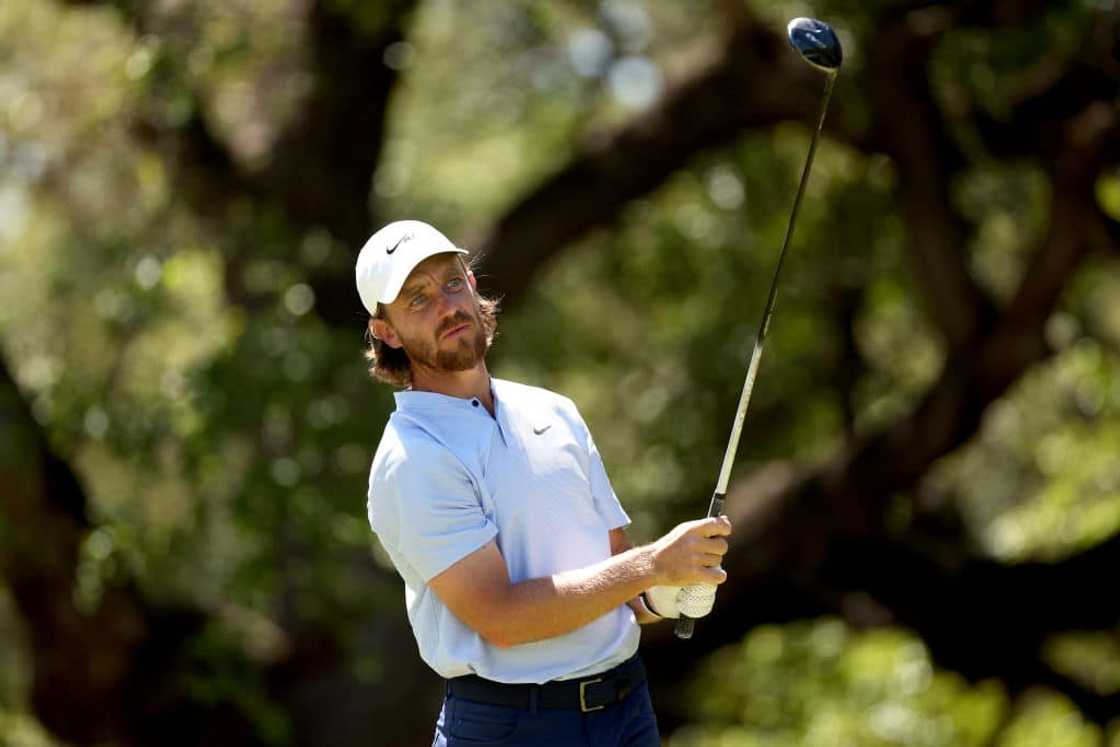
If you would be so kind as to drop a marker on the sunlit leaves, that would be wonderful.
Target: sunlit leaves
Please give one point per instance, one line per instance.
(1010, 207)
(1108, 194)
(1045, 719)
(902, 350)
(1092, 659)
(1042, 480)
(823, 683)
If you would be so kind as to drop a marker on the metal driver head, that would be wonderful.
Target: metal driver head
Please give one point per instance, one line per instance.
(817, 44)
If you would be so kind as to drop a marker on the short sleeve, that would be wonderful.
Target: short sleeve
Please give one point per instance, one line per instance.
(438, 515)
(606, 502)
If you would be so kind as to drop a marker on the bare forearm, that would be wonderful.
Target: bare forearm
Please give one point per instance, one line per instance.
(620, 543)
(542, 608)
(478, 591)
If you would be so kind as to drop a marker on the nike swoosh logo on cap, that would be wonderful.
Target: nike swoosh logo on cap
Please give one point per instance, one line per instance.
(542, 429)
(402, 239)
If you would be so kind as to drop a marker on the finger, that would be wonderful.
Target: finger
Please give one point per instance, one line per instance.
(712, 545)
(715, 575)
(705, 527)
(700, 526)
(720, 526)
(707, 559)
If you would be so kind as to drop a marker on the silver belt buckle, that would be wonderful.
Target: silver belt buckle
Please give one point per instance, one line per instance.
(583, 696)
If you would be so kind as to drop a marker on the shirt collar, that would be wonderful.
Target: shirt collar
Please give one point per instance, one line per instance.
(431, 405)
(408, 399)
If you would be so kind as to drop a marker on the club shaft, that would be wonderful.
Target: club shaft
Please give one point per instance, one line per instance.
(685, 625)
(768, 310)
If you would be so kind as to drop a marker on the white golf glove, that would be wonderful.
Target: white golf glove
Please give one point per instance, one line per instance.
(673, 601)
(697, 600)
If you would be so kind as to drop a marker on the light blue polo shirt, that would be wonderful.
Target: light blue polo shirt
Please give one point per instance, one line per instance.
(447, 478)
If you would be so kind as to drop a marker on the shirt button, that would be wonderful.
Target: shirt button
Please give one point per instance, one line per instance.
(474, 402)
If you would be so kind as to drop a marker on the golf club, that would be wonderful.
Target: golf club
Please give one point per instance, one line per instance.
(818, 45)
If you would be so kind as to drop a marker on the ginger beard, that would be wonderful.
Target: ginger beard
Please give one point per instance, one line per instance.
(462, 352)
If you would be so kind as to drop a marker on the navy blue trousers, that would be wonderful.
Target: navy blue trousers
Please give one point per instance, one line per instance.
(630, 723)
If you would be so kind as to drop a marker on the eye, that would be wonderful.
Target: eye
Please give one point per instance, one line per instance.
(417, 301)
(456, 282)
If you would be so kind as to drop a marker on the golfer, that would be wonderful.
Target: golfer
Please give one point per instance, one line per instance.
(492, 501)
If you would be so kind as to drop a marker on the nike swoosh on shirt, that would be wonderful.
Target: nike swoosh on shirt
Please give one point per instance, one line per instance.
(542, 429)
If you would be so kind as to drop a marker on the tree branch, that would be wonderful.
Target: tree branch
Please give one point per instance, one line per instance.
(911, 130)
(322, 167)
(754, 83)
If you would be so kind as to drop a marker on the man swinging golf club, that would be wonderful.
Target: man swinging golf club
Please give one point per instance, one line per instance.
(492, 501)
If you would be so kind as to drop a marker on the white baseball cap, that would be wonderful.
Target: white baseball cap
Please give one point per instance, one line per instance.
(390, 255)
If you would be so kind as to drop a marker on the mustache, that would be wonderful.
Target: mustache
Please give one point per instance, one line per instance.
(460, 317)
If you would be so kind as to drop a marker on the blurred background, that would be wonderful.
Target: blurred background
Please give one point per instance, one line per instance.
(927, 497)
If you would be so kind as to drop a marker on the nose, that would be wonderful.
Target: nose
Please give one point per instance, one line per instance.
(448, 308)
(445, 303)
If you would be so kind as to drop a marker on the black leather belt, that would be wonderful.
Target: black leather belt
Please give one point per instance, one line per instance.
(590, 693)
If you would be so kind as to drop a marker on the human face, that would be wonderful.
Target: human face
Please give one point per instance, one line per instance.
(435, 318)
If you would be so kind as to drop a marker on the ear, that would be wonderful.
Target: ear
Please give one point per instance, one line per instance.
(384, 331)
(472, 281)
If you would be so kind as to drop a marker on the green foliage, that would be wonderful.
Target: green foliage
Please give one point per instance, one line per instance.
(219, 673)
(1092, 659)
(1046, 719)
(822, 683)
(1108, 194)
(21, 730)
(1042, 480)
(1009, 208)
